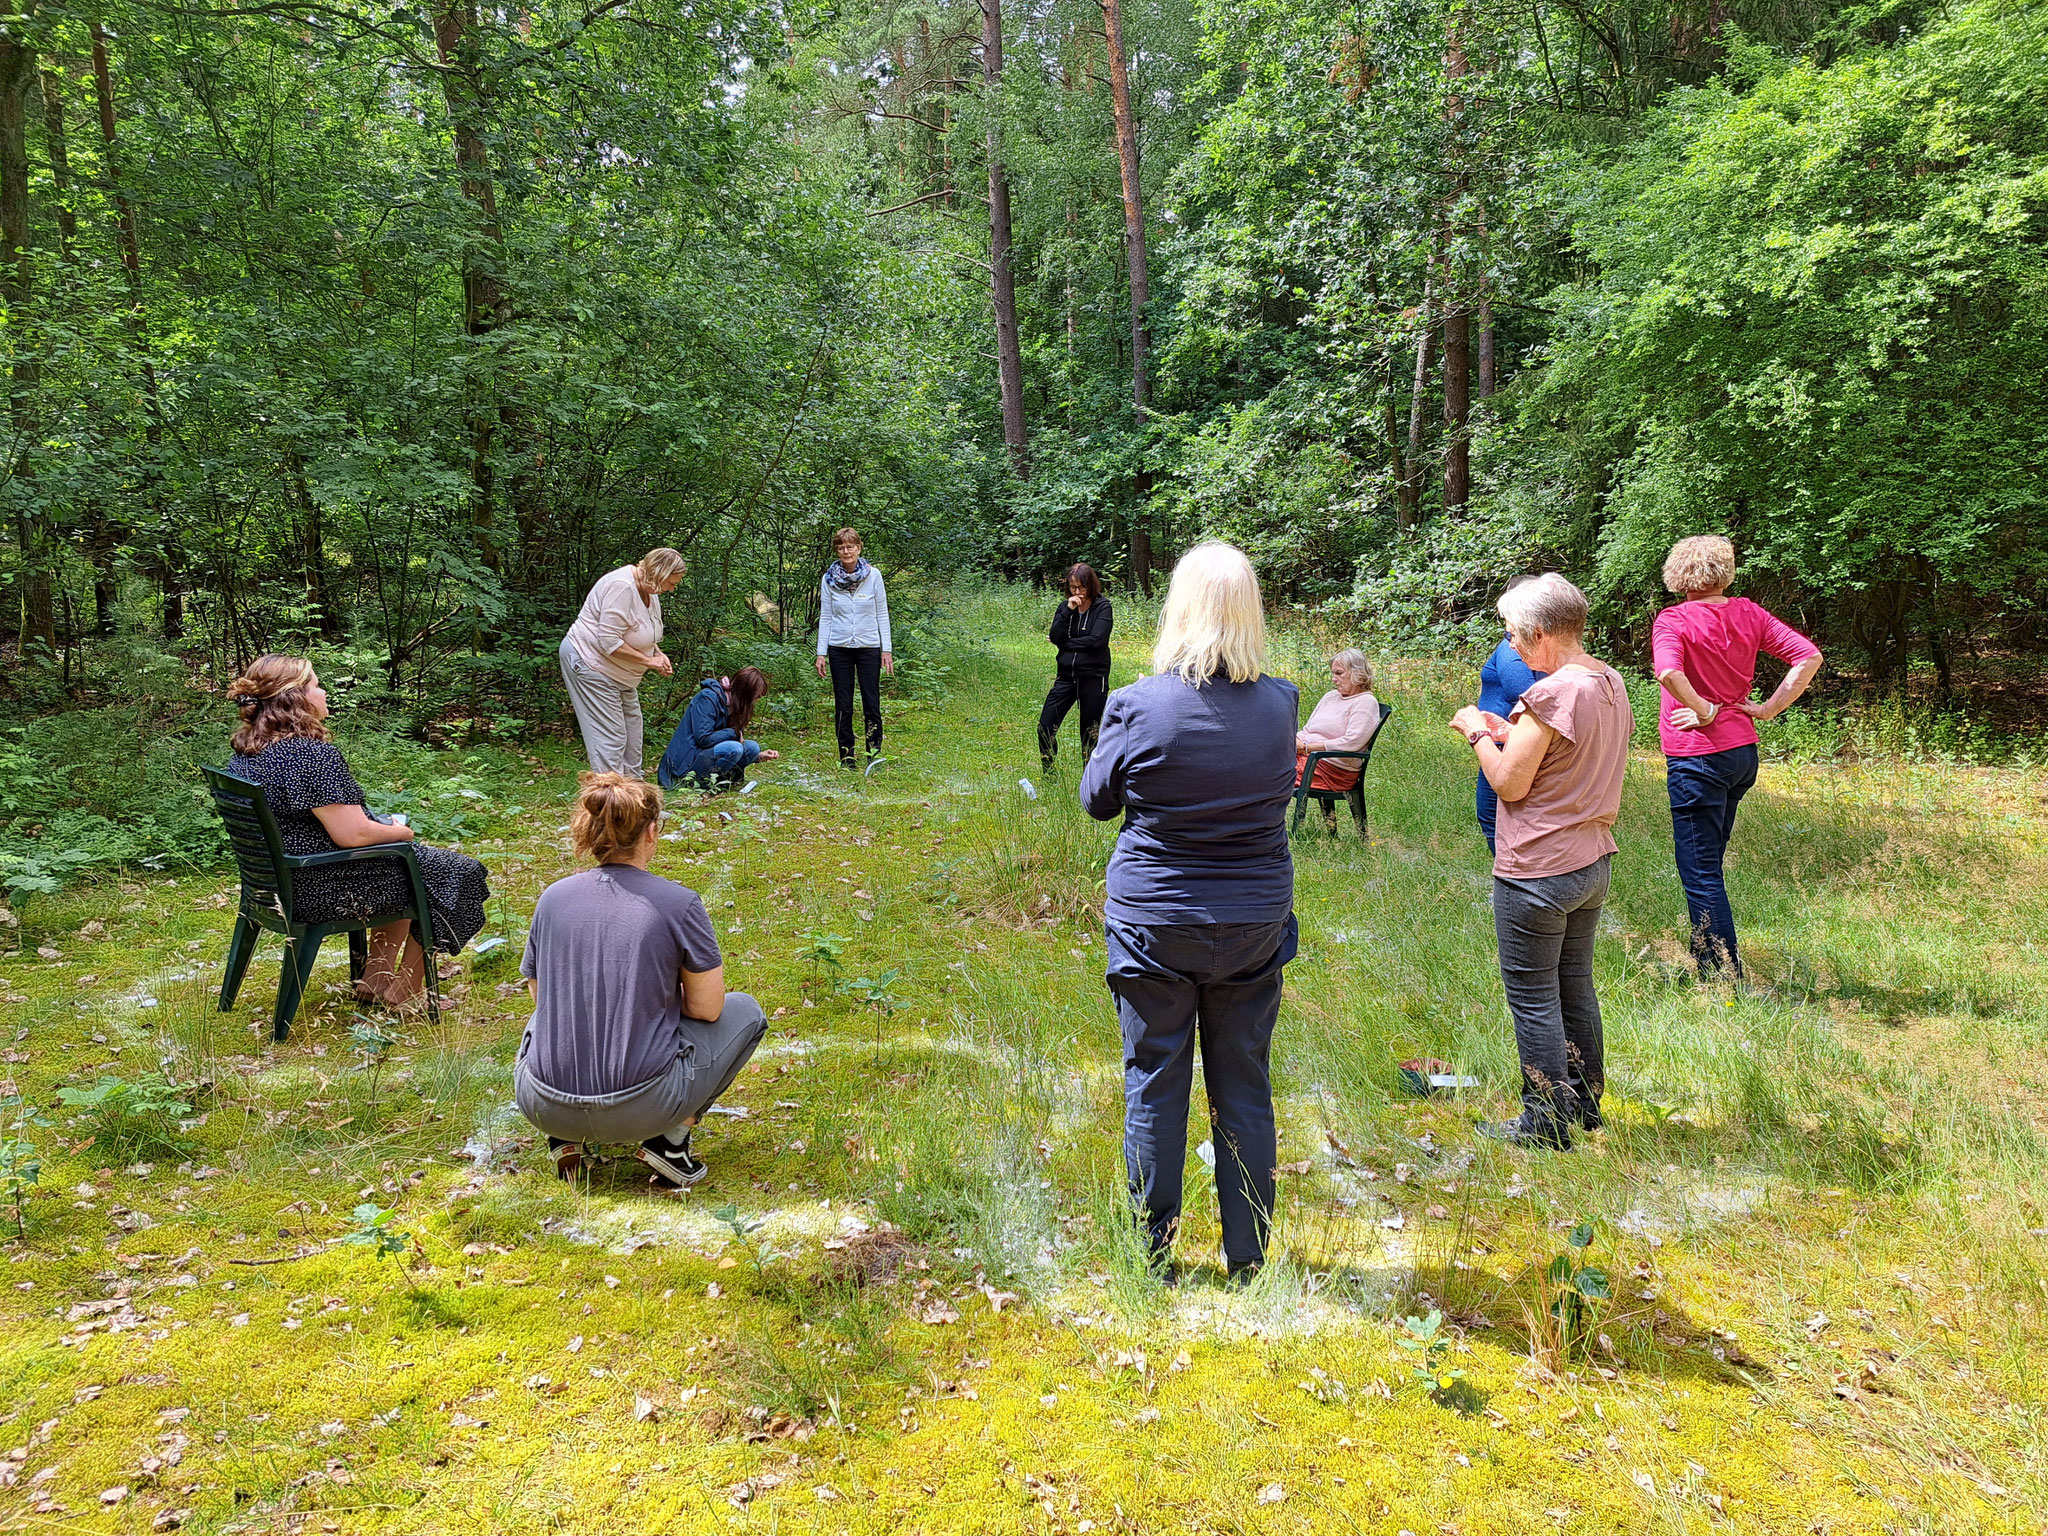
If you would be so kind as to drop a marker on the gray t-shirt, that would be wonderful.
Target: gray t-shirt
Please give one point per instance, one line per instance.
(606, 952)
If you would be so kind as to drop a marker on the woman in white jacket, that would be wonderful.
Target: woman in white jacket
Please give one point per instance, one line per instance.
(853, 639)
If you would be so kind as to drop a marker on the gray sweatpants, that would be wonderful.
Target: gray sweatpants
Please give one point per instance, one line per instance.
(711, 1057)
(614, 734)
(1546, 927)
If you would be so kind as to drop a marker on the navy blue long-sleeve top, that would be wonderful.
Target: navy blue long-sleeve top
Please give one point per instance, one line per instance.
(1202, 777)
(705, 719)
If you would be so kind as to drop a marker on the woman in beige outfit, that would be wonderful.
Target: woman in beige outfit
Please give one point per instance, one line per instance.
(616, 641)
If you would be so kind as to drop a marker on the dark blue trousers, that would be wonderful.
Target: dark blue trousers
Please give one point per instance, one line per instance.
(1219, 983)
(1487, 803)
(1704, 792)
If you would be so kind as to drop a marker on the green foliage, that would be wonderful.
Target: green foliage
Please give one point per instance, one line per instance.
(371, 1227)
(746, 1231)
(1429, 1352)
(1579, 1290)
(821, 952)
(130, 1118)
(21, 1162)
(372, 1043)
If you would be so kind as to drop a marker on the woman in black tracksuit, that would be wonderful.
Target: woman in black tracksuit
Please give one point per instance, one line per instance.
(1080, 631)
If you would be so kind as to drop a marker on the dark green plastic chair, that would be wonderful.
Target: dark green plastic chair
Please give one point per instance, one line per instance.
(1355, 794)
(267, 902)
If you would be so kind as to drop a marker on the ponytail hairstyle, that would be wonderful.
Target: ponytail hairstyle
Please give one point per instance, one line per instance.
(612, 815)
(271, 696)
(741, 694)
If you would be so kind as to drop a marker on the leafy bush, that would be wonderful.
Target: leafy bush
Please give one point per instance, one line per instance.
(131, 1119)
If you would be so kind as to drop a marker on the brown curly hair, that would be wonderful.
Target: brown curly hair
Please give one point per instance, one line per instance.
(613, 813)
(271, 695)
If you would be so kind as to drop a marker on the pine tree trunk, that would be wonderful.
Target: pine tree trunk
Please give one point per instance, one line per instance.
(1134, 199)
(169, 561)
(17, 78)
(486, 305)
(1009, 351)
(1457, 407)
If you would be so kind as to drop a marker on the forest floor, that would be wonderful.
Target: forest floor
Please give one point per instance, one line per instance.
(904, 1299)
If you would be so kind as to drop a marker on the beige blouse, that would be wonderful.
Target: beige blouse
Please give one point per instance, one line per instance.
(614, 615)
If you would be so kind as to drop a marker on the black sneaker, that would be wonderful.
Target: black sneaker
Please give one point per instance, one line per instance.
(568, 1157)
(671, 1160)
(1589, 1112)
(1526, 1130)
(1239, 1276)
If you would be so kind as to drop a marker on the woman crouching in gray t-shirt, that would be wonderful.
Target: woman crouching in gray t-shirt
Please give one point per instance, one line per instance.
(633, 1035)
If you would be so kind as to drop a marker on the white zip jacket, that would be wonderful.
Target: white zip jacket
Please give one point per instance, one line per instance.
(856, 618)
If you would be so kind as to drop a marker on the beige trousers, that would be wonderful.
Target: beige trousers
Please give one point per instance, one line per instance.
(608, 711)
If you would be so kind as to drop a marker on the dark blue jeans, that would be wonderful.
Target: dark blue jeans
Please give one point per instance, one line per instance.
(1488, 806)
(1704, 792)
(1219, 982)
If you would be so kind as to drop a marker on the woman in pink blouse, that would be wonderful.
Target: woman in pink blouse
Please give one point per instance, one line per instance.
(1342, 721)
(1704, 651)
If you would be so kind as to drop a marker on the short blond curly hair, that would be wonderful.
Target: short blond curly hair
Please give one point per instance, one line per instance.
(1703, 563)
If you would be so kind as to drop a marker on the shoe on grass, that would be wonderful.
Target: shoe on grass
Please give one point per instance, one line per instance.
(1529, 1130)
(1240, 1276)
(671, 1160)
(568, 1157)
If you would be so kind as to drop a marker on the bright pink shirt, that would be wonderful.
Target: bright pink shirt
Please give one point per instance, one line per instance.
(1715, 645)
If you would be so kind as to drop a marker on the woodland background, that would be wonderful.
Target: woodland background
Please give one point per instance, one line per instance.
(381, 330)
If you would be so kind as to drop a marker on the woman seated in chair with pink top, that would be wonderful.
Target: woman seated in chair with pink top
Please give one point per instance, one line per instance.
(1342, 721)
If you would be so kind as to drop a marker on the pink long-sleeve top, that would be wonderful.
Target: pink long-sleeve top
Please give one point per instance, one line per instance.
(1338, 724)
(1715, 644)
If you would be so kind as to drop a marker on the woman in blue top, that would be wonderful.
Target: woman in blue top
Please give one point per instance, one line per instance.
(711, 744)
(1199, 760)
(1502, 681)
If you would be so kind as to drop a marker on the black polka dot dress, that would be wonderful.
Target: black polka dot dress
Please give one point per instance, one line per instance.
(299, 775)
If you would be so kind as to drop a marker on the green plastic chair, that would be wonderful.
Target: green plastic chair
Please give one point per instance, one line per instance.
(1355, 794)
(266, 903)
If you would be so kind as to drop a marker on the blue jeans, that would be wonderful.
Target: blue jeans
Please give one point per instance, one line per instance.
(727, 762)
(1488, 806)
(1219, 982)
(1704, 793)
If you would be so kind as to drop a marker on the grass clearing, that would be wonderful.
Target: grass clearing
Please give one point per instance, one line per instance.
(1818, 1202)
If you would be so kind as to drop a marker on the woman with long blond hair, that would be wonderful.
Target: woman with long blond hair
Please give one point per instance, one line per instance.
(614, 643)
(633, 1035)
(283, 745)
(1199, 761)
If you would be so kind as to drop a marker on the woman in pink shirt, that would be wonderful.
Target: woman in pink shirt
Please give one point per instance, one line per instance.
(1342, 721)
(1557, 766)
(1704, 652)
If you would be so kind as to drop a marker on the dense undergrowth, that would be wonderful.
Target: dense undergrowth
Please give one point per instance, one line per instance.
(906, 1298)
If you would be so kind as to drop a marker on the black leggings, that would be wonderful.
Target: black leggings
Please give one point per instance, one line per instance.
(848, 662)
(1091, 690)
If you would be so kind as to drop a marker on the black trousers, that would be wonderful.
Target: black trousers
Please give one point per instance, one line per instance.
(1091, 690)
(847, 663)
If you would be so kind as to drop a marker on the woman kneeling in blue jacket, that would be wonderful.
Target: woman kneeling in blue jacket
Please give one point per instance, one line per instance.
(711, 744)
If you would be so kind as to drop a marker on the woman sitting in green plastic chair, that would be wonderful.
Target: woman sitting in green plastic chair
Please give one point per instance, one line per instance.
(283, 745)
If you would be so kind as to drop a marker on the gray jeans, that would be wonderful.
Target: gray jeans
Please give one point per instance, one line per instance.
(711, 1057)
(1545, 927)
(608, 711)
